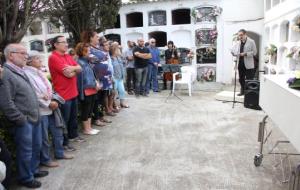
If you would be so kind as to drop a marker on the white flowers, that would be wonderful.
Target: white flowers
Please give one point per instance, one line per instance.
(294, 53)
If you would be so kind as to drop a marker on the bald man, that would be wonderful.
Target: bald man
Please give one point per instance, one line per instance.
(141, 58)
(20, 106)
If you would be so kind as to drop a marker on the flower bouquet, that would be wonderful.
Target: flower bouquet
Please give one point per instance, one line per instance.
(206, 36)
(294, 53)
(190, 55)
(216, 11)
(294, 82)
(208, 74)
(206, 55)
(271, 50)
(296, 26)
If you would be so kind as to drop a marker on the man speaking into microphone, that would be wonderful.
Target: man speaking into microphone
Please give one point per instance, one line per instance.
(244, 50)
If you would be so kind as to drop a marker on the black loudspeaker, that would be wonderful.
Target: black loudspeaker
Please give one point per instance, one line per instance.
(251, 98)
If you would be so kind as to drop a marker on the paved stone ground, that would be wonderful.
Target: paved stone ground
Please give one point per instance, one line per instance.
(196, 144)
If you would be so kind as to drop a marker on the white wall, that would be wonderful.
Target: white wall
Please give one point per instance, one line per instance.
(279, 15)
(248, 16)
(43, 37)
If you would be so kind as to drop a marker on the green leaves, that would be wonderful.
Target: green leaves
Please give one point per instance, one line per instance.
(80, 15)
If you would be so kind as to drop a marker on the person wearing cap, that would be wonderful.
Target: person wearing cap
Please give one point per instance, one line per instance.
(20, 105)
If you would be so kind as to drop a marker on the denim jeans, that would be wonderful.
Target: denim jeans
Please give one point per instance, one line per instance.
(141, 77)
(48, 123)
(119, 87)
(152, 78)
(69, 111)
(28, 139)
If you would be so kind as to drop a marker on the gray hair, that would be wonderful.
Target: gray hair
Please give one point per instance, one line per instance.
(8, 49)
(31, 55)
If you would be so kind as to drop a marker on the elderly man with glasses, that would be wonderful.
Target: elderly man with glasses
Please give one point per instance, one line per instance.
(152, 81)
(20, 105)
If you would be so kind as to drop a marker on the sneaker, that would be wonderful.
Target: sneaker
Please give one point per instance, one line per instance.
(111, 114)
(69, 148)
(130, 93)
(99, 123)
(91, 132)
(31, 184)
(116, 110)
(41, 174)
(105, 120)
(96, 130)
(50, 164)
(77, 139)
(66, 157)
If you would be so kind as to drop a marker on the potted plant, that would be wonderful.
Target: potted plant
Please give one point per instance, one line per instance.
(271, 51)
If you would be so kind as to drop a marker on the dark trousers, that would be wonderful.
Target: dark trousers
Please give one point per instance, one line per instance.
(99, 102)
(5, 157)
(244, 74)
(87, 106)
(130, 79)
(69, 112)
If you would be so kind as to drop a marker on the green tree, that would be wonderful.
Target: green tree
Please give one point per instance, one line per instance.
(15, 18)
(80, 15)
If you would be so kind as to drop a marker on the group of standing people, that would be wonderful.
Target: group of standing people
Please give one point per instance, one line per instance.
(92, 79)
(142, 63)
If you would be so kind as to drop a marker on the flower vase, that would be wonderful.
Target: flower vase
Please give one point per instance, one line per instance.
(272, 59)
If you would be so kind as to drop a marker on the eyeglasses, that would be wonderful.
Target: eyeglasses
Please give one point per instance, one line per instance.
(23, 53)
(63, 42)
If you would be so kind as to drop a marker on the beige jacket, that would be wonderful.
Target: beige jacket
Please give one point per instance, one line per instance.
(250, 49)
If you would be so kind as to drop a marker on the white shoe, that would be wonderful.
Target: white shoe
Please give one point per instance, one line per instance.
(95, 131)
(91, 132)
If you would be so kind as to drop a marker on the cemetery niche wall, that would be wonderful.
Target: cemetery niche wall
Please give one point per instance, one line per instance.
(205, 17)
(157, 18)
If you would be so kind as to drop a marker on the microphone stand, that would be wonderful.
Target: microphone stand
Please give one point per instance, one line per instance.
(171, 90)
(234, 91)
